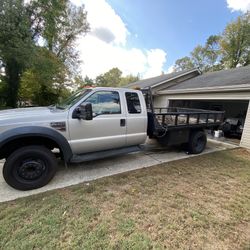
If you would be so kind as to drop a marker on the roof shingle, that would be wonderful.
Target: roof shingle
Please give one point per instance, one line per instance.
(237, 76)
(159, 79)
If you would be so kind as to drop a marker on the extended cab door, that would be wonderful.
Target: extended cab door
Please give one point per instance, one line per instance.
(136, 118)
(107, 130)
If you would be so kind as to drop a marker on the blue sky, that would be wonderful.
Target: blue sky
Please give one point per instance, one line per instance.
(147, 37)
(174, 26)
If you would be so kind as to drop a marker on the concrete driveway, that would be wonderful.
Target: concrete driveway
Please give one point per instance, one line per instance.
(78, 173)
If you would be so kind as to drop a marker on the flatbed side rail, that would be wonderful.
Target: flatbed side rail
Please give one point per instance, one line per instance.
(176, 117)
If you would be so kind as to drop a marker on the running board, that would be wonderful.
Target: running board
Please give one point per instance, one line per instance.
(103, 154)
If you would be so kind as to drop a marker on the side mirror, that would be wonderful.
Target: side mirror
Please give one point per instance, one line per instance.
(84, 112)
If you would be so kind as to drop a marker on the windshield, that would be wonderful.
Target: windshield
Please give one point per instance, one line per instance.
(70, 101)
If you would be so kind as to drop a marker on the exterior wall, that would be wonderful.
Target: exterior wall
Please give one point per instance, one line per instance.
(160, 101)
(245, 140)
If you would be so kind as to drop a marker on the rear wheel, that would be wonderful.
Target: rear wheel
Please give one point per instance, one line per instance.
(29, 167)
(197, 142)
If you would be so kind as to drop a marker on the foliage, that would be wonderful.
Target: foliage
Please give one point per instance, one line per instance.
(114, 78)
(3, 92)
(59, 23)
(128, 79)
(110, 78)
(16, 46)
(43, 30)
(235, 42)
(43, 83)
(212, 53)
(206, 58)
(229, 50)
(184, 63)
(86, 82)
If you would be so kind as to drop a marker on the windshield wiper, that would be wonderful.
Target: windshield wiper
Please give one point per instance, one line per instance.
(51, 106)
(59, 107)
(55, 106)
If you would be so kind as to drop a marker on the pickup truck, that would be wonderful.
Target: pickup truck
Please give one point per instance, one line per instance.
(93, 123)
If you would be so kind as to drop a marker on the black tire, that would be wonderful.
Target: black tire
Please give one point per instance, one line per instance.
(226, 128)
(197, 142)
(30, 167)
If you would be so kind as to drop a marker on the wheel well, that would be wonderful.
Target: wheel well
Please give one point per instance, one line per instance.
(15, 144)
(194, 130)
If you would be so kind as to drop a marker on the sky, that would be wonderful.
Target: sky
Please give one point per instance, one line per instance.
(145, 38)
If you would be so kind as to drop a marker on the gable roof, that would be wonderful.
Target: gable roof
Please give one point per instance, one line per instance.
(218, 79)
(158, 80)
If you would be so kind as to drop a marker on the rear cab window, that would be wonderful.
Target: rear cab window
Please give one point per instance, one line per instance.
(133, 103)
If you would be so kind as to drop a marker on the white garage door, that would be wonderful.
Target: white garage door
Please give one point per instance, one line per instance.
(245, 139)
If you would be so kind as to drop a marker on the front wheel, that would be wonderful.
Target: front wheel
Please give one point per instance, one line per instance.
(30, 167)
(197, 142)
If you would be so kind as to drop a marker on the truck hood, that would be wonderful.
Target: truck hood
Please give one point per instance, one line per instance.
(20, 112)
(30, 115)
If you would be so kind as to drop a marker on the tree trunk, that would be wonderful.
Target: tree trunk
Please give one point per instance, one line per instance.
(13, 81)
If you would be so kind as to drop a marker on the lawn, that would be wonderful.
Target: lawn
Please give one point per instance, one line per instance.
(196, 203)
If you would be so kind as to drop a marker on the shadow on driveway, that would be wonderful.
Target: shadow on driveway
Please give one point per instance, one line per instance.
(152, 155)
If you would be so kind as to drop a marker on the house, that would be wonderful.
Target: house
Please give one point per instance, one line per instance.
(227, 90)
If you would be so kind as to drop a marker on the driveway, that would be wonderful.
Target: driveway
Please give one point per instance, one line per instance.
(78, 173)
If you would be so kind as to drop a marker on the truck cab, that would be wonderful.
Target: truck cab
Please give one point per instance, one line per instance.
(119, 119)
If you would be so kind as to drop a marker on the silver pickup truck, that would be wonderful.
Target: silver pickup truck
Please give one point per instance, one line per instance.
(93, 123)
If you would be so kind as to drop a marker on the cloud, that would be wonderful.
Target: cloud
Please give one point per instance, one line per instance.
(104, 34)
(239, 5)
(155, 61)
(170, 69)
(106, 47)
(101, 15)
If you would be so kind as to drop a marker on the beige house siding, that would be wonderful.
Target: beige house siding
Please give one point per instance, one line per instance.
(245, 140)
(161, 101)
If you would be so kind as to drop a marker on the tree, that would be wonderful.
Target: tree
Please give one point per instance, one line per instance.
(42, 83)
(213, 53)
(53, 25)
(184, 63)
(16, 45)
(206, 58)
(235, 42)
(111, 78)
(198, 57)
(87, 82)
(128, 79)
(59, 23)
(229, 50)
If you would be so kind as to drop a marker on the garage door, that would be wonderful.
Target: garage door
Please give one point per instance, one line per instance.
(245, 139)
(232, 108)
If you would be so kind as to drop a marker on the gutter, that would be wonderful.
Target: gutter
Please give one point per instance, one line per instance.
(232, 88)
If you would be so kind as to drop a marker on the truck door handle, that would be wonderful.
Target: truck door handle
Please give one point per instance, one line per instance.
(122, 122)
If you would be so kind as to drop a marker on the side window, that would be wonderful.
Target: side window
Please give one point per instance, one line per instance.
(105, 102)
(133, 103)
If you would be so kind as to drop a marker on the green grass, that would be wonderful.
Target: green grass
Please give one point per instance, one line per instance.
(197, 203)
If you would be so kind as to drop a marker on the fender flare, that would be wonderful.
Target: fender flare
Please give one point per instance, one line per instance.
(27, 131)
